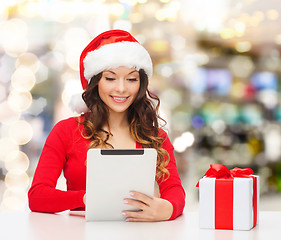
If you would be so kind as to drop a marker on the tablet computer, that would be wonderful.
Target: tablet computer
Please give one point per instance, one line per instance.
(111, 175)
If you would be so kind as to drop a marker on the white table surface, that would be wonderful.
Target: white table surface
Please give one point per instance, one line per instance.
(66, 226)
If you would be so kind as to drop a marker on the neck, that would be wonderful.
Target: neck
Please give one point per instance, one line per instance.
(117, 121)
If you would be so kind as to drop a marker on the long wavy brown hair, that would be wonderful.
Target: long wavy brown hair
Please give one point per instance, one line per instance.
(142, 117)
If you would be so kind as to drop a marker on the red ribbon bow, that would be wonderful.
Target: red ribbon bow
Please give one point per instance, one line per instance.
(221, 171)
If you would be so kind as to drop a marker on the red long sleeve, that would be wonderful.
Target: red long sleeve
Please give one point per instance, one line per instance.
(66, 150)
(63, 150)
(172, 189)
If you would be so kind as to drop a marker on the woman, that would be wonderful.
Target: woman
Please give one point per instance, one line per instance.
(118, 113)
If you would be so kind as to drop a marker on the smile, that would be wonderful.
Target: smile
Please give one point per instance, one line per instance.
(119, 99)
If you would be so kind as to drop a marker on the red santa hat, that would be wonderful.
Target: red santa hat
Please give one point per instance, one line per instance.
(110, 49)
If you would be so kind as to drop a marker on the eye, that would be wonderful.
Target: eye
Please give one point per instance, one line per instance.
(109, 79)
(132, 79)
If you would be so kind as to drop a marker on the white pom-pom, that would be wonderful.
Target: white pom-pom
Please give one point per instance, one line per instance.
(77, 104)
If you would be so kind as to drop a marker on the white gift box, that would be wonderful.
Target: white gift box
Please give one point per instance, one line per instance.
(241, 197)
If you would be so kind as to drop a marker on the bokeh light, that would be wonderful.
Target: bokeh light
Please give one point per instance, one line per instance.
(241, 66)
(19, 101)
(198, 121)
(272, 14)
(239, 29)
(28, 60)
(21, 131)
(243, 46)
(272, 142)
(170, 98)
(13, 36)
(227, 33)
(74, 41)
(14, 200)
(17, 161)
(7, 145)
(23, 79)
(29, 9)
(7, 114)
(184, 141)
(218, 126)
(17, 180)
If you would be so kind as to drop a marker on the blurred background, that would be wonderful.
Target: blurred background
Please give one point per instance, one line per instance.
(217, 69)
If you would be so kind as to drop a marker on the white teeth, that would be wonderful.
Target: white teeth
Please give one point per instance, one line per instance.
(119, 99)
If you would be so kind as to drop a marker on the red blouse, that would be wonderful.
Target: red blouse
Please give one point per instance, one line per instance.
(65, 149)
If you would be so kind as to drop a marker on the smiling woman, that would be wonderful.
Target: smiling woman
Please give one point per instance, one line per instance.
(120, 113)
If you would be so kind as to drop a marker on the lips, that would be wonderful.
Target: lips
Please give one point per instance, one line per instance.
(119, 99)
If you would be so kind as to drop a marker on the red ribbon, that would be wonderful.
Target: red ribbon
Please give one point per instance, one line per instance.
(220, 171)
(224, 193)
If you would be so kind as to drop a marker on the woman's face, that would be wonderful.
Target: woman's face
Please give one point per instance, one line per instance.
(119, 87)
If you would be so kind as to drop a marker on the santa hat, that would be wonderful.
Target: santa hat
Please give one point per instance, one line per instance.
(110, 49)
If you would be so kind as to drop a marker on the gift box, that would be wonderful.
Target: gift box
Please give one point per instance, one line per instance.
(229, 199)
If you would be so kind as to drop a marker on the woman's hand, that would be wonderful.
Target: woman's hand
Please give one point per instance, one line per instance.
(152, 209)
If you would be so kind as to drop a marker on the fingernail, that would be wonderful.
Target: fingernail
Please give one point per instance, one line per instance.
(127, 219)
(123, 213)
(125, 201)
(132, 194)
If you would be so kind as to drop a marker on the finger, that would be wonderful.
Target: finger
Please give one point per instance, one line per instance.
(141, 197)
(135, 203)
(137, 220)
(133, 214)
(137, 216)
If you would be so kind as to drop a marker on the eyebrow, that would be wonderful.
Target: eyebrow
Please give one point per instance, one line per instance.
(115, 73)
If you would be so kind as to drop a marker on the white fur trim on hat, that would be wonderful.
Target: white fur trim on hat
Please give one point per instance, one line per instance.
(77, 104)
(114, 55)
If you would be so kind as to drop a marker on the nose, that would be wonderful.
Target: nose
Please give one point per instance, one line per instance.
(121, 86)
